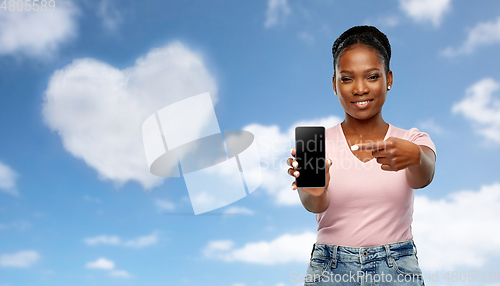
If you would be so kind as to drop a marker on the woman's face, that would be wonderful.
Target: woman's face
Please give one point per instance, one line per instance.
(360, 81)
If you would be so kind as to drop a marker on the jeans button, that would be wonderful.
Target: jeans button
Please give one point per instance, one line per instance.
(365, 253)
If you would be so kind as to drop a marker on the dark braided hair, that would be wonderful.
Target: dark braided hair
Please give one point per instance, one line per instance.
(367, 35)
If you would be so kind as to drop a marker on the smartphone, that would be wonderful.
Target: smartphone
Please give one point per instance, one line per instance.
(310, 154)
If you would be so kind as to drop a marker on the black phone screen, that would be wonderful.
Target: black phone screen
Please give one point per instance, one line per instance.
(310, 154)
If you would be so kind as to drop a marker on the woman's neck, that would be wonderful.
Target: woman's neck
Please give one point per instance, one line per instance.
(372, 127)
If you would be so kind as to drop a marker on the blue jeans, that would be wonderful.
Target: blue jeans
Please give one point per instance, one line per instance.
(388, 264)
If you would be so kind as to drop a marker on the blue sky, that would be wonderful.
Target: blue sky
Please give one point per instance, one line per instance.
(78, 207)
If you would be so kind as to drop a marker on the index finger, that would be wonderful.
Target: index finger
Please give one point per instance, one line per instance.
(369, 146)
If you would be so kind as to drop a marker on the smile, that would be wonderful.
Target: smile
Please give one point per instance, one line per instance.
(362, 104)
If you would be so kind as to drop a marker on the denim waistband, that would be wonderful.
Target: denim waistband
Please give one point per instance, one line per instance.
(364, 254)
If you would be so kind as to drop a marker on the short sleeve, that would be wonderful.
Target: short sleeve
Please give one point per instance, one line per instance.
(421, 138)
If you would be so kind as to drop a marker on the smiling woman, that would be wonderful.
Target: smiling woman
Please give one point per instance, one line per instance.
(365, 211)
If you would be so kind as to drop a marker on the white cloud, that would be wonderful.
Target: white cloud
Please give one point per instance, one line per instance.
(388, 21)
(120, 274)
(111, 18)
(8, 180)
(91, 199)
(306, 37)
(274, 149)
(466, 220)
(284, 249)
(430, 126)
(21, 259)
(164, 205)
(425, 10)
(482, 108)
(101, 263)
(103, 239)
(215, 247)
(105, 264)
(98, 110)
(484, 33)
(238, 210)
(142, 241)
(38, 34)
(114, 240)
(277, 12)
(19, 224)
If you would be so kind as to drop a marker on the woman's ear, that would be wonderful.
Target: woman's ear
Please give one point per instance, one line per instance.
(390, 78)
(333, 84)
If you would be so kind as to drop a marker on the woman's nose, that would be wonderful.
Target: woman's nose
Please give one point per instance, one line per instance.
(360, 88)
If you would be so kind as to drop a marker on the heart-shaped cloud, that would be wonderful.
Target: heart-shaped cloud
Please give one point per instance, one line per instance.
(98, 110)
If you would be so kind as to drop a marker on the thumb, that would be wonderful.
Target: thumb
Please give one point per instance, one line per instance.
(329, 164)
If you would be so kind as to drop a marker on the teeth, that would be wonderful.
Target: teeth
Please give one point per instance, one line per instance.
(362, 102)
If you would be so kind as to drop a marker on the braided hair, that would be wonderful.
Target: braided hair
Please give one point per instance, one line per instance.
(367, 35)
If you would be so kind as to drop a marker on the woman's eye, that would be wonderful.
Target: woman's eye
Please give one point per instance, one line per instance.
(375, 76)
(344, 79)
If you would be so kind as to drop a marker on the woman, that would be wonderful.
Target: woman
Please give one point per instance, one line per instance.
(365, 211)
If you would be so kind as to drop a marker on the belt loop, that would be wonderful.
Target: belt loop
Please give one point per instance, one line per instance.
(314, 247)
(334, 256)
(389, 257)
(414, 246)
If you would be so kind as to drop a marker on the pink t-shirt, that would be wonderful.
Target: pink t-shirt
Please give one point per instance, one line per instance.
(368, 206)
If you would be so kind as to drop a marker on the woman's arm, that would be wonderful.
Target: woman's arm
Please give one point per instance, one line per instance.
(421, 175)
(315, 200)
(315, 204)
(397, 154)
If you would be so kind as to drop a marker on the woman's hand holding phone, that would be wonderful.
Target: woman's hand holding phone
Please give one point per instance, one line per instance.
(295, 173)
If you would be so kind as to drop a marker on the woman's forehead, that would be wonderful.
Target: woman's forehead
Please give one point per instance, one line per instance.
(359, 56)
